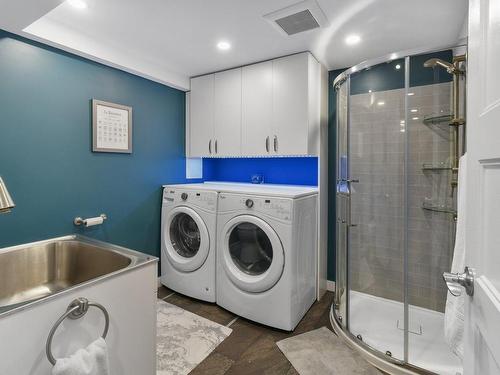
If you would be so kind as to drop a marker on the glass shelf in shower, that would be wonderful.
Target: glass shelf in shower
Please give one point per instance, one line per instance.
(436, 167)
(438, 119)
(439, 208)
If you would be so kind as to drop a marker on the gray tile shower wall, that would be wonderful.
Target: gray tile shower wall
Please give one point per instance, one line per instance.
(378, 137)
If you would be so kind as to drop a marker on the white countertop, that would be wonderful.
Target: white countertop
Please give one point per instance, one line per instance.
(276, 190)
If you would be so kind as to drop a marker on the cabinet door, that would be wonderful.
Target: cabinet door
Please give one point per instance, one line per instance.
(257, 109)
(290, 105)
(202, 116)
(228, 113)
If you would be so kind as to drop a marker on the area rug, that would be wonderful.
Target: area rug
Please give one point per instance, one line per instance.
(321, 352)
(184, 339)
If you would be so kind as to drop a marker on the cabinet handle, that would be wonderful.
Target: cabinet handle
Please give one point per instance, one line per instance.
(216, 146)
(275, 143)
(267, 144)
(210, 146)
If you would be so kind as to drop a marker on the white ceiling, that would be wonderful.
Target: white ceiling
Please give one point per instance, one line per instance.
(172, 40)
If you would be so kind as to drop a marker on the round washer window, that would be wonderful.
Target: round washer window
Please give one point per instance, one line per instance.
(250, 249)
(185, 235)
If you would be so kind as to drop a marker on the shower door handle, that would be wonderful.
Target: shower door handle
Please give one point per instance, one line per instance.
(349, 181)
(454, 282)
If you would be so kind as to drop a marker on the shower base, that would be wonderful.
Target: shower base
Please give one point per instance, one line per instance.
(380, 323)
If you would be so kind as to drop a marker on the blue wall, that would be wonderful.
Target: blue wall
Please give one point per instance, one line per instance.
(277, 170)
(45, 148)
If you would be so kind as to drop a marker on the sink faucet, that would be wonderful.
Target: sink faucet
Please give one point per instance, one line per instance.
(6, 202)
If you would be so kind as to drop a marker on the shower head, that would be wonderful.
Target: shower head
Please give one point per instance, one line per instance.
(450, 68)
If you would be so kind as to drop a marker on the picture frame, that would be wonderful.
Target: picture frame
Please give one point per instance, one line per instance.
(111, 127)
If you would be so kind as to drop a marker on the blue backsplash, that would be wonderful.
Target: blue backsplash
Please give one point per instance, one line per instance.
(45, 148)
(276, 170)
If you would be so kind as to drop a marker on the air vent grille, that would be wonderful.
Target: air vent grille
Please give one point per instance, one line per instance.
(298, 22)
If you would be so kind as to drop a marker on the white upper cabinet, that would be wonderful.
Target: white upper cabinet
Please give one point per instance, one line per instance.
(201, 121)
(290, 105)
(227, 137)
(266, 109)
(257, 109)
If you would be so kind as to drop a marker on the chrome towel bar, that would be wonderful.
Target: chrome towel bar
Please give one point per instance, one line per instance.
(76, 309)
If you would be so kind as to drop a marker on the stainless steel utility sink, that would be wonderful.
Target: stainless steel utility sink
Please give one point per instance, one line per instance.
(39, 270)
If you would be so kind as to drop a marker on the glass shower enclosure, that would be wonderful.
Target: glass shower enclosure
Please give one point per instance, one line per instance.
(400, 133)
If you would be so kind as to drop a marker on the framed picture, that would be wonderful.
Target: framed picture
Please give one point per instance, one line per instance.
(111, 127)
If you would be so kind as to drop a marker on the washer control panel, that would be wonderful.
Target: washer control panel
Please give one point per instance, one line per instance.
(203, 199)
(280, 208)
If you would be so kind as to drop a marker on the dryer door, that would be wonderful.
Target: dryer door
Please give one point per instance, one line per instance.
(252, 254)
(187, 242)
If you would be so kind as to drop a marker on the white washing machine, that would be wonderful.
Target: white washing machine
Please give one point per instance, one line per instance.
(266, 254)
(188, 231)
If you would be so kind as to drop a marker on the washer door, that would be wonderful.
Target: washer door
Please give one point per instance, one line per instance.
(252, 254)
(187, 242)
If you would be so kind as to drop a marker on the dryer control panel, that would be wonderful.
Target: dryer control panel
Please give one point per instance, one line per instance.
(201, 199)
(280, 208)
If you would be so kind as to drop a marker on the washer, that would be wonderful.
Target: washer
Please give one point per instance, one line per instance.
(266, 254)
(188, 231)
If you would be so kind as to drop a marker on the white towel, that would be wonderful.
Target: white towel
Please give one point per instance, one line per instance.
(454, 311)
(93, 360)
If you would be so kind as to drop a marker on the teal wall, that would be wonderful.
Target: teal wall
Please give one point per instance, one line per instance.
(378, 78)
(332, 142)
(45, 148)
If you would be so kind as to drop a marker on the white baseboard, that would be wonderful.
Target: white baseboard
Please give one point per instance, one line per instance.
(330, 285)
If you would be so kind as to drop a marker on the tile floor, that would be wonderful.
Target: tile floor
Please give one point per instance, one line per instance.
(251, 348)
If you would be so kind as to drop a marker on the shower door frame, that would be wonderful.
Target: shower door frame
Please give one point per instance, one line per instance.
(374, 355)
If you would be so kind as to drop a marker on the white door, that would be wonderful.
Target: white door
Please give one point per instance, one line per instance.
(257, 109)
(227, 140)
(290, 105)
(202, 116)
(482, 314)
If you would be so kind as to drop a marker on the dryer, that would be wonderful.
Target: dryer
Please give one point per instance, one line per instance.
(266, 254)
(188, 231)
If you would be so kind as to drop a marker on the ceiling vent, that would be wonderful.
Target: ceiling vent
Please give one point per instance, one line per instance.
(297, 18)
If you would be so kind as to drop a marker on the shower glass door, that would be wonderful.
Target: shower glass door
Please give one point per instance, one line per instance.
(376, 226)
(431, 215)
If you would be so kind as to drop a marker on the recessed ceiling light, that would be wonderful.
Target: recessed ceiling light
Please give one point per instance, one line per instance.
(411, 93)
(352, 39)
(370, 90)
(414, 110)
(223, 45)
(398, 66)
(78, 4)
(415, 118)
(381, 103)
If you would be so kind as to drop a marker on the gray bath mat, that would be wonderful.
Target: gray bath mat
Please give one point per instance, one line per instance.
(184, 339)
(320, 352)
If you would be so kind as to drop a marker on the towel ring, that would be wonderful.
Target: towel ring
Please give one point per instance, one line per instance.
(76, 309)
